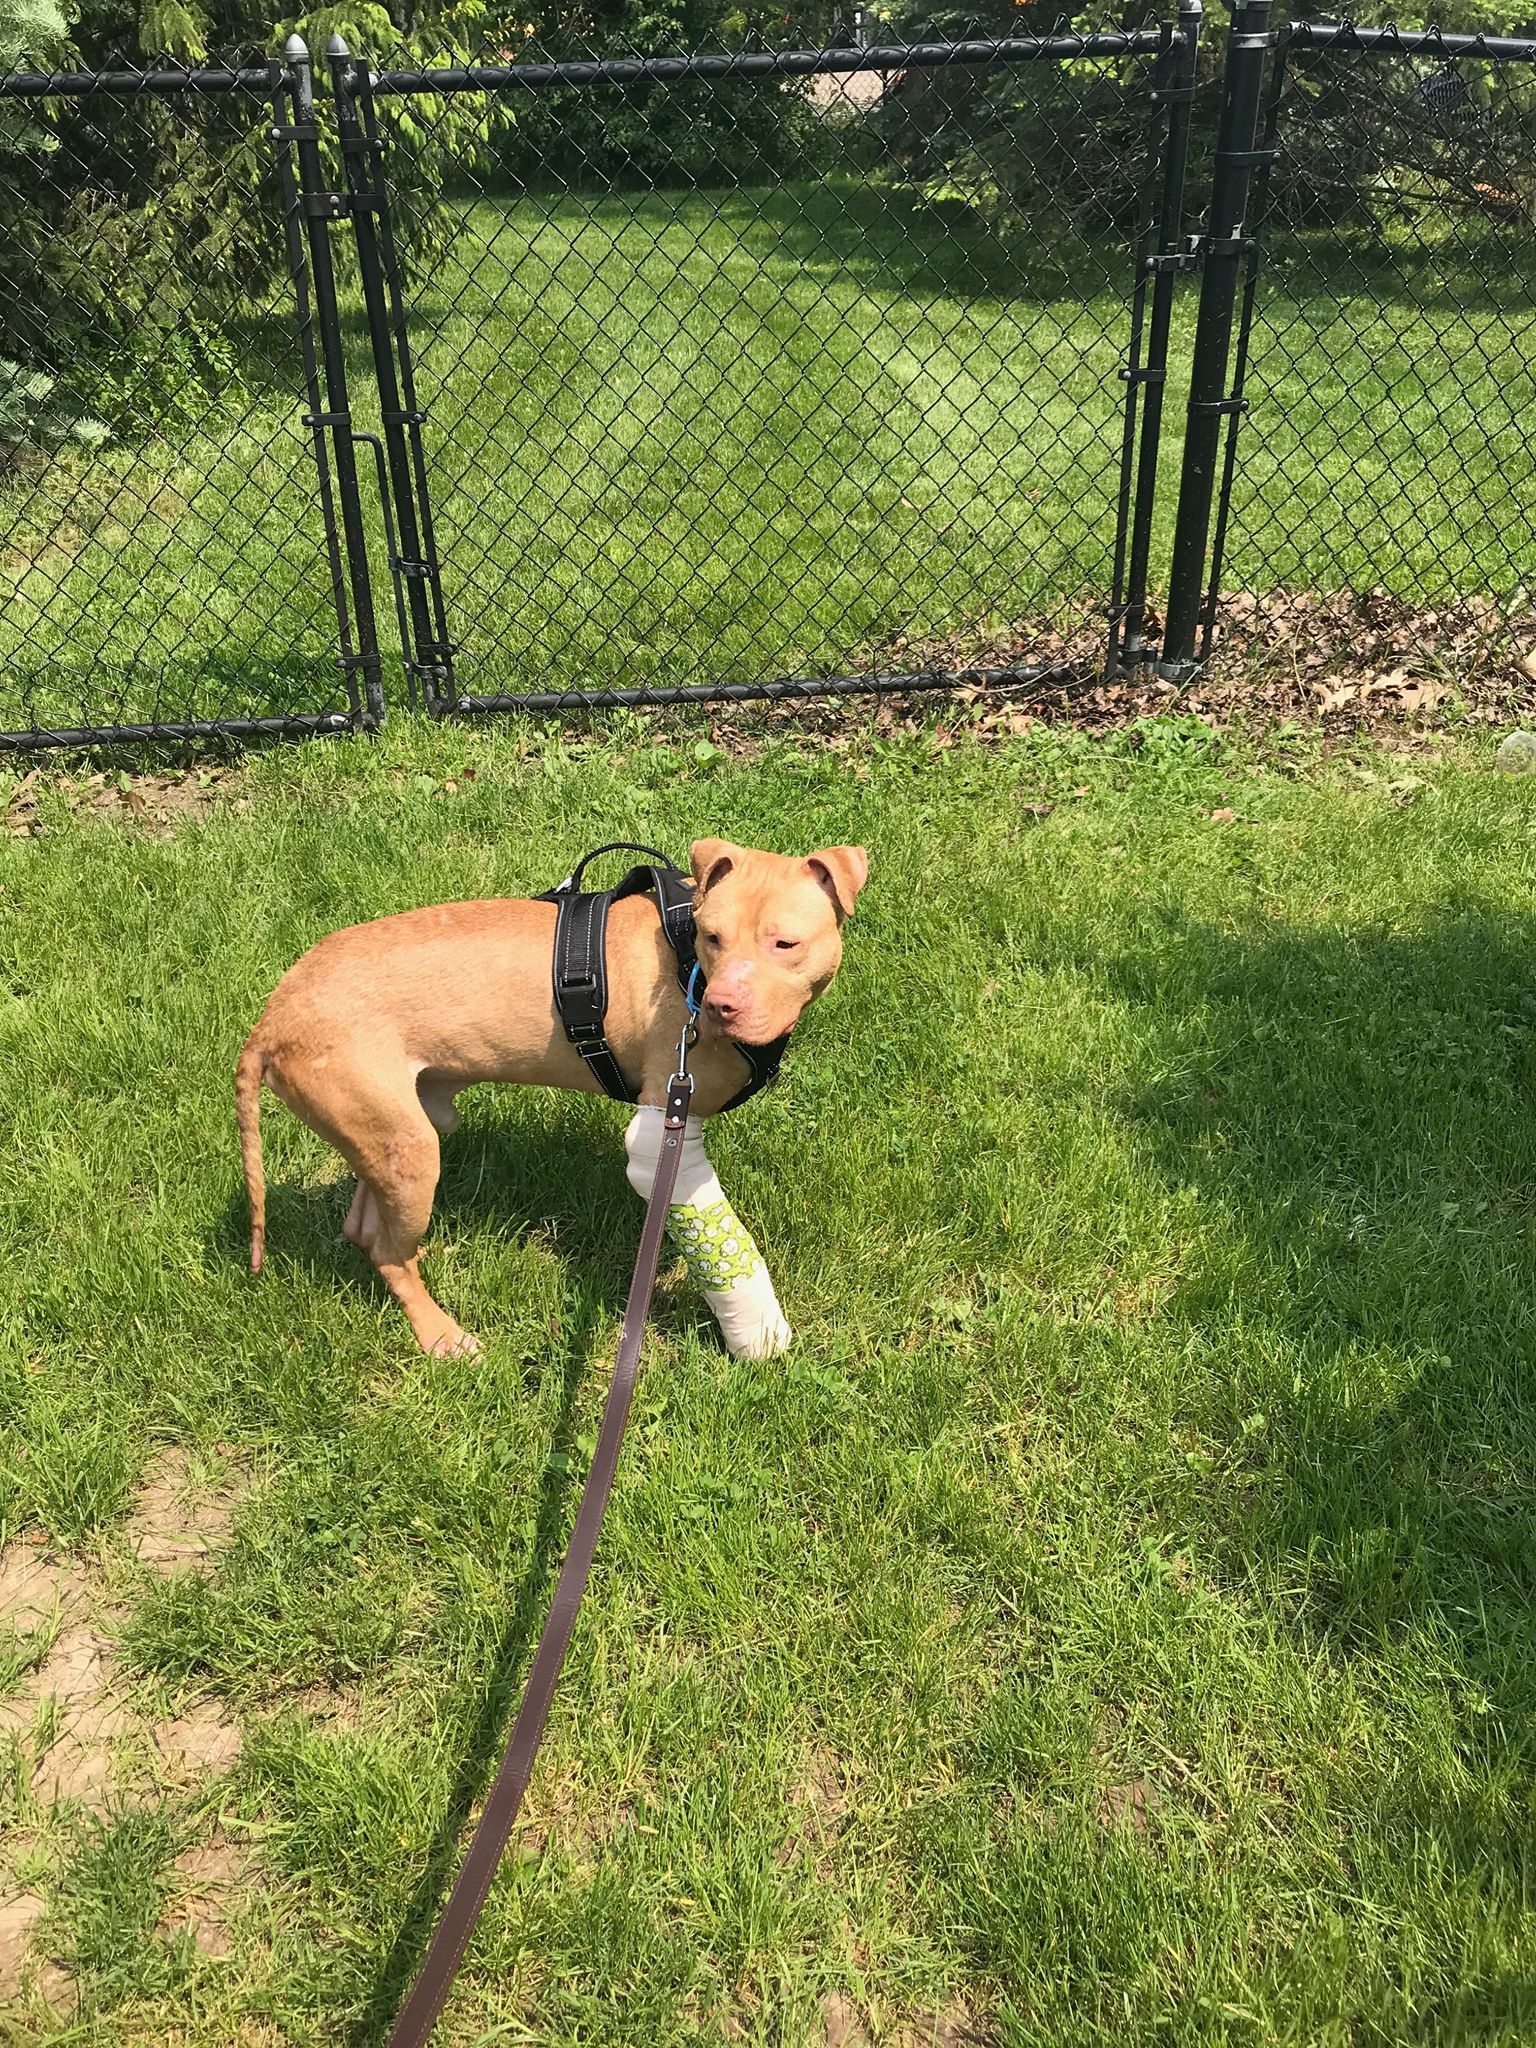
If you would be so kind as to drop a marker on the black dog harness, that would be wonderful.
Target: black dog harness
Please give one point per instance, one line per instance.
(581, 965)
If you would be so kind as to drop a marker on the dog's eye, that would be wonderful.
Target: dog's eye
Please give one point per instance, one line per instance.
(710, 938)
(786, 945)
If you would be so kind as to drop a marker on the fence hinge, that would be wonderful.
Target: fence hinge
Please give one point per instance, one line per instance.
(1143, 376)
(294, 131)
(1218, 407)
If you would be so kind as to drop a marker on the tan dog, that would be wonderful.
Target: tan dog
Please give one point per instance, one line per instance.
(370, 1036)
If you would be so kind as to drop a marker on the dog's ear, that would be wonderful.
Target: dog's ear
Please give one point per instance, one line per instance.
(842, 871)
(712, 861)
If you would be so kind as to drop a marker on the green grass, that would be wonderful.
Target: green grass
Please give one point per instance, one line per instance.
(1112, 1619)
(770, 431)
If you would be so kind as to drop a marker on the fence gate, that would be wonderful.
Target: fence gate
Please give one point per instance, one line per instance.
(1366, 293)
(688, 406)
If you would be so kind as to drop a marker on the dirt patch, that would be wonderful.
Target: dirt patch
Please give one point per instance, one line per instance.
(958, 2027)
(37, 1588)
(178, 1521)
(820, 1791)
(19, 1914)
(196, 1746)
(204, 1882)
(80, 1735)
(843, 2024)
(326, 1706)
(71, 1719)
(1129, 1805)
(818, 1802)
(1346, 666)
(157, 799)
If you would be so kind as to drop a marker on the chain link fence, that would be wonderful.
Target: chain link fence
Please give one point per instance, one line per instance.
(742, 377)
(164, 557)
(574, 377)
(1390, 331)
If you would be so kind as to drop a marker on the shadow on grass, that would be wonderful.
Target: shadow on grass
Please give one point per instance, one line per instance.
(553, 1164)
(556, 1163)
(483, 1742)
(1357, 1110)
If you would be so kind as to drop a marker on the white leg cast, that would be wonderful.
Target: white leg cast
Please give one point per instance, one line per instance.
(716, 1246)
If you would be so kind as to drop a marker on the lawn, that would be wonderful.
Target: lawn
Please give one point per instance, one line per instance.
(1112, 1621)
(768, 431)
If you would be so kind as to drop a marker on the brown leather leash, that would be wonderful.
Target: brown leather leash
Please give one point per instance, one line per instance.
(440, 1965)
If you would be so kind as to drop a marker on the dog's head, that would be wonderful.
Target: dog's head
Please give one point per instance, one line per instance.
(770, 932)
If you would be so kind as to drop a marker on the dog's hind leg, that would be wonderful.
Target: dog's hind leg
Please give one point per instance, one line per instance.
(362, 1218)
(386, 1137)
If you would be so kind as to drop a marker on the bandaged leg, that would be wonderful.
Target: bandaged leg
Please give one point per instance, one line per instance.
(715, 1245)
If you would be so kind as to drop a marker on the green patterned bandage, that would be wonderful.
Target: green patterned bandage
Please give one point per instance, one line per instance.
(716, 1245)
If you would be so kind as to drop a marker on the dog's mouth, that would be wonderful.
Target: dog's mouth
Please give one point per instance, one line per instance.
(754, 1035)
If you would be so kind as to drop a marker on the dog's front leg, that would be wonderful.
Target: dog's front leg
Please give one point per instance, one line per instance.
(716, 1245)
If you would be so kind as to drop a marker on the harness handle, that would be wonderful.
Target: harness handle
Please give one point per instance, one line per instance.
(573, 879)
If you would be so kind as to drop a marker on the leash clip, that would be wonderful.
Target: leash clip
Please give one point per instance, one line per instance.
(680, 1086)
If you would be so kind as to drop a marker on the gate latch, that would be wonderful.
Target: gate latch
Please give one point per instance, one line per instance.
(1186, 258)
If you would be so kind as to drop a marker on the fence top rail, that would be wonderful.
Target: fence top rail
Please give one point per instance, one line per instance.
(1422, 42)
(775, 63)
(36, 85)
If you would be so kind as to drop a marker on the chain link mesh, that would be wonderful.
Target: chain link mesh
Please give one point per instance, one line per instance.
(162, 550)
(1392, 379)
(740, 378)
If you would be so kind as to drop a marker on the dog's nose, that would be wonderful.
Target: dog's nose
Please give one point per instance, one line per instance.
(721, 1008)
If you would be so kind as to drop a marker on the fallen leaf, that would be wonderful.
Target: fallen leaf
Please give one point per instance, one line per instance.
(1224, 816)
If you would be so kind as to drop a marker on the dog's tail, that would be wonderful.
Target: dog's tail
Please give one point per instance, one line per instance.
(248, 1079)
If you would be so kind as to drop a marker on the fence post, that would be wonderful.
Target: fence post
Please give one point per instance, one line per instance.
(319, 206)
(429, 657)
(1162, 259)
(1221, 248)
(293, 232)
(1259, 199)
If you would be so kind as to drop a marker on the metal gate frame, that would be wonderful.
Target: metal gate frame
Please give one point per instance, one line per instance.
(1250, 139)
(1156, 262)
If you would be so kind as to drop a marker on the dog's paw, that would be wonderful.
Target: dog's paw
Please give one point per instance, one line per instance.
(455, 1343)
(769, 1342)
(750, 1319)
(766, 1338)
